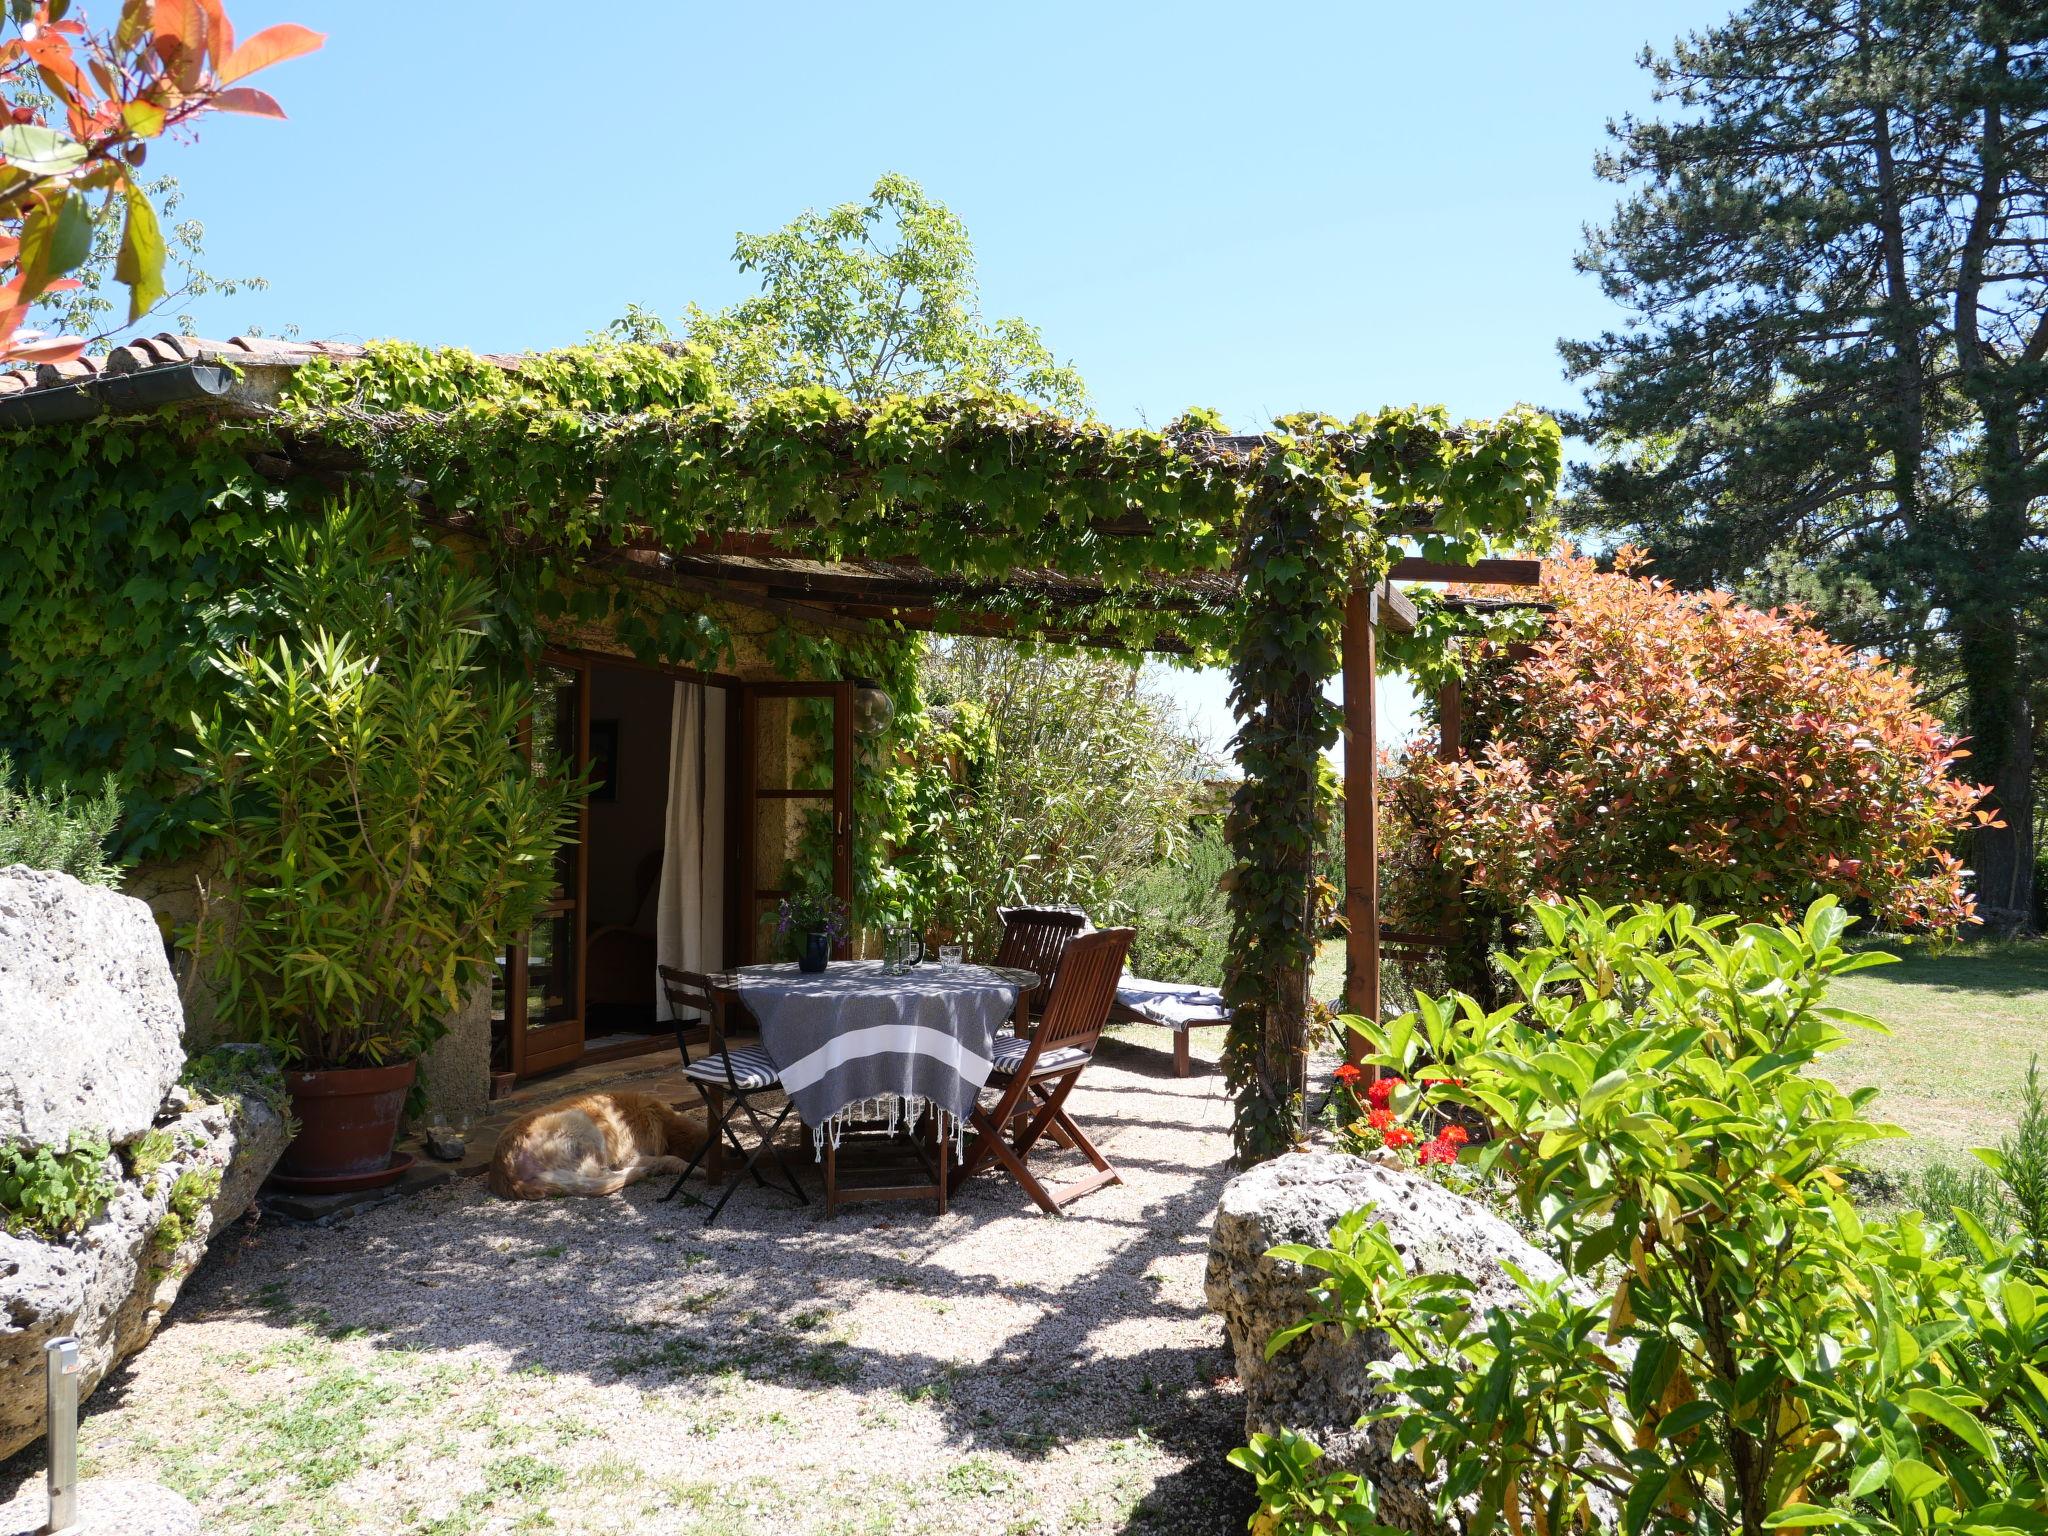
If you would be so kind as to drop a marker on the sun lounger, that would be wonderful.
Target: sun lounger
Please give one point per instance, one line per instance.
(1178, 1005)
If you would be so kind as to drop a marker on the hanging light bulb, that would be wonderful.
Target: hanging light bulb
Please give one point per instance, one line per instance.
(873, 709)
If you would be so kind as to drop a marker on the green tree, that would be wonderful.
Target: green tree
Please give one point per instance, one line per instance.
(1040, 778)
(1835, 254)
(875, 298)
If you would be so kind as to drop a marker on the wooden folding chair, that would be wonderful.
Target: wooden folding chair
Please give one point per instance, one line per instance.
(1033, 1077)
(1034, 939)
(730, 1079)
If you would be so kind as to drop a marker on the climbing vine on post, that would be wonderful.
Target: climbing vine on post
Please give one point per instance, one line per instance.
(1327, 498)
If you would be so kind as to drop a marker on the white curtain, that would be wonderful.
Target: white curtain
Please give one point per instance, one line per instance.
(689, 918)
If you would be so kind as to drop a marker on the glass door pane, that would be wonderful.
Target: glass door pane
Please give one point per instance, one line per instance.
(797, 802)
(544, 987)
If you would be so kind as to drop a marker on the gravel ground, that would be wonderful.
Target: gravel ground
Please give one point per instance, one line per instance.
(453, 1363)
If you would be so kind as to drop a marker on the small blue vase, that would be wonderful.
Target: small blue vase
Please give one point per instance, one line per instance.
(817, 950)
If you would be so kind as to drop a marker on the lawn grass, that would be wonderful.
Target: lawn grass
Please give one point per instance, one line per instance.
(1963, 1024)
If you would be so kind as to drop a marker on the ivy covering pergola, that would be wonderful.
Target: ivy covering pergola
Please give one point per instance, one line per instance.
(1268, 554)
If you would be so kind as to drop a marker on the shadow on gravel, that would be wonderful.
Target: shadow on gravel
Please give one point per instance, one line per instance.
(628, 1289)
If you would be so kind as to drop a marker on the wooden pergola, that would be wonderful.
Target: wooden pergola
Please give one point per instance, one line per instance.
(755, 570)
(867, 520)
(1368, 609)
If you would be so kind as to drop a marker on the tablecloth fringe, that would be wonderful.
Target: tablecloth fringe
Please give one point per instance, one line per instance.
(897, 1109)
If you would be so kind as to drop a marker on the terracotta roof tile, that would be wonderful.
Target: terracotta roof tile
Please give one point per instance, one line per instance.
(128, 359)
(49, 375)
(158, 349)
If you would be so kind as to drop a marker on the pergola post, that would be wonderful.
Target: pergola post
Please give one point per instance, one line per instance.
(1361, 815)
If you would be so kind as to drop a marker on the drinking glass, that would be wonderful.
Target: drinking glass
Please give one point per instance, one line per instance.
(949, 954)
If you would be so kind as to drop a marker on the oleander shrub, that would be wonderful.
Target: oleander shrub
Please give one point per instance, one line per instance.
(1660, 745)
(1038, 778)
(1733, 1347)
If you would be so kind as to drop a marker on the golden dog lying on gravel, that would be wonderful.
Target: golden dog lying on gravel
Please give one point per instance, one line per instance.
(593, 1144)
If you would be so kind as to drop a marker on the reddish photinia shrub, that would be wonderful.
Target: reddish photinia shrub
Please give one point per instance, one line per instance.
(1658, 745)
(160, 67)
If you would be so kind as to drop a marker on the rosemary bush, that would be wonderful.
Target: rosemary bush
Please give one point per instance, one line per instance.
(58, 830)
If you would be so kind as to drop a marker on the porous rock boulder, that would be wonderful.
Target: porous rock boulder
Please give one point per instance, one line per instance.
(91, 1033)
(1322, 1383)
(112, 1283)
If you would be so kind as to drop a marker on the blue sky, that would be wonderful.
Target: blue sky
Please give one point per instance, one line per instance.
(1330, 206)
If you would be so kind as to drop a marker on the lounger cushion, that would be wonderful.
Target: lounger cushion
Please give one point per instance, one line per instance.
(1176, 1004)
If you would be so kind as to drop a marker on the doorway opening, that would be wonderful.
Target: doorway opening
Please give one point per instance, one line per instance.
(650, 873)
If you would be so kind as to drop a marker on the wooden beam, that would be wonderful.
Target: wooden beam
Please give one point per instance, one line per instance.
(1486, 573)
(1361, 818)
(635, 563)
(1390, 608)
(999, 627)
(1450, 721)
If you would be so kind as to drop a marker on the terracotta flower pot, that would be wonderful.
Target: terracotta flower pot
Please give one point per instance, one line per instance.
(348, 1121)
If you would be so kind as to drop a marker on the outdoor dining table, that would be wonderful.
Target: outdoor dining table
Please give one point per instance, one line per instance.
(863, 1043)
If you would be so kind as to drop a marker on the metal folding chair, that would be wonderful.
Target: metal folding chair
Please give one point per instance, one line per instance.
(730, 1080)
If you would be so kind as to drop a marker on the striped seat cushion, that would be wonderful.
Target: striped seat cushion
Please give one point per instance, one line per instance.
(1010, 1050)
(751, 1069)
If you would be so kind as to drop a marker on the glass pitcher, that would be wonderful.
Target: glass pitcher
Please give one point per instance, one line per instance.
(902, 948)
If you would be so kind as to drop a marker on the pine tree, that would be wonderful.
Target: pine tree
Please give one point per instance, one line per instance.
(1835, 255)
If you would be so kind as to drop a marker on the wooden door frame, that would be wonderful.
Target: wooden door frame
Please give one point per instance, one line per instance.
(561, 1042)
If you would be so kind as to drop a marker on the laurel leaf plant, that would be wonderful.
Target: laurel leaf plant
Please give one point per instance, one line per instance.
(1734, 1347)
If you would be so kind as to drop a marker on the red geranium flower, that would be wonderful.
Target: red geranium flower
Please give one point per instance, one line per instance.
(1455, 1135)
(1348, 1073)
(1400, 1136)
(1381, 1093)
(1437, 1150)
(1379, 1119)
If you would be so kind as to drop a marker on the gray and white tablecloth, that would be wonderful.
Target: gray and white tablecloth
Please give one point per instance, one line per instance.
(856, 1043)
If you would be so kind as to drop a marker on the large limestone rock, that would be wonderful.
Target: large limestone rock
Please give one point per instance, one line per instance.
(195, 1172)
(1321, 1384)
(90, 1028)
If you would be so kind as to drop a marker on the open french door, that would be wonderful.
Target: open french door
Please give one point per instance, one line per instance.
(542, 995)
(795, 801)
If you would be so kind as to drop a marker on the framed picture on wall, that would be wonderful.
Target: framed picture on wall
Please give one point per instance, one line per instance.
(604, 759)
